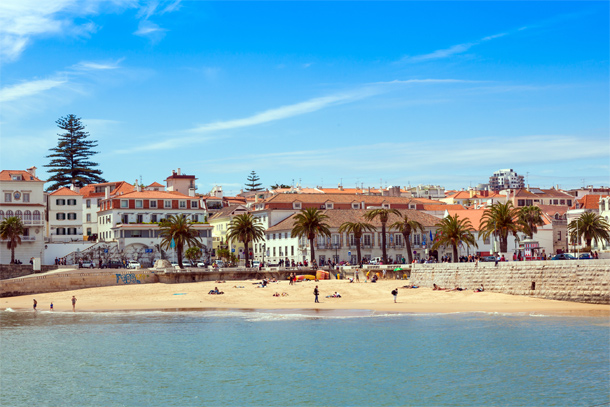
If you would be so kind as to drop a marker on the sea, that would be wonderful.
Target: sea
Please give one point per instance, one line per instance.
(302, 358)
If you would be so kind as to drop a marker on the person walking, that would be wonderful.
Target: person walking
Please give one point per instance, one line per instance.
(395, 294)
(51, 306)
(356, 275)
(35, 304)
(73, 303)
(316, 293)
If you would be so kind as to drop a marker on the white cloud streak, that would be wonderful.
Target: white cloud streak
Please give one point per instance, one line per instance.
(26, 89)
(453, 50)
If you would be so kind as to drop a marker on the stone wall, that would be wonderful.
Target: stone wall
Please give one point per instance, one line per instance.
(581, 281)
(20, 270)
(74, 281)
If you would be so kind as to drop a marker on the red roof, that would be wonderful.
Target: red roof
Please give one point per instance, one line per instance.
(7, 175)
(590, 201)
(65, 191)
(155, 184)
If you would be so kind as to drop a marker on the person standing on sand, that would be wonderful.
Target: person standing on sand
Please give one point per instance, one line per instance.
(356, 274)
(395, 294)
(51, 306)
(73, 303)
(316, 292)
(35, 304)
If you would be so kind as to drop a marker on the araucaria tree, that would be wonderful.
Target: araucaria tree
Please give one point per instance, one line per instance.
(501, 219)
(357, 228)
(406, 226)
(70, 159)
(383, 214)
(11, 230)
(245, 228)
(453, 231)
(590, 226)
(310, 223)
(253, 184)
(177, 232)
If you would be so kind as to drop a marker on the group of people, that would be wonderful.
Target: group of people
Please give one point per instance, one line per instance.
(215, 291)
(51, 305)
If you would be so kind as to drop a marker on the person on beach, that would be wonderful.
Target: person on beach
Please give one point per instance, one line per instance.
(356, 275)
(395, 294)
(316, 292)
(480, 289)
(51, 306)
(73, 303)
(35, 304)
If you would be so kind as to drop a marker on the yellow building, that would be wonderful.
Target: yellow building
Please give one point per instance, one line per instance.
(220, 222)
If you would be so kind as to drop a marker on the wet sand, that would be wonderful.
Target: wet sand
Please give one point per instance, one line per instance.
(354, 296)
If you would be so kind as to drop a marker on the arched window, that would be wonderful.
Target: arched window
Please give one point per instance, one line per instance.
(557, 216)
(27, 215)
(1, 215)
(36, 215)
(19, 214)
(9, 213)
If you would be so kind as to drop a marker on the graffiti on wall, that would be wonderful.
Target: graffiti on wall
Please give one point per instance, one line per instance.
(130, 278)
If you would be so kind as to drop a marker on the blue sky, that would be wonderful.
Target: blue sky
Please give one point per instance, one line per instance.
(386, 93)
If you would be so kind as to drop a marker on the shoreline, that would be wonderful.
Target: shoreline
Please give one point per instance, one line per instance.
(245, 296)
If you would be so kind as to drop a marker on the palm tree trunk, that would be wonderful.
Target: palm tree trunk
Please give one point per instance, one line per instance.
(383, 251)
(179, 250)
(503, 244)
(313, 251)
(455, 253)
(408, 246)
(357, 239)
(12, 252)
(247, 252)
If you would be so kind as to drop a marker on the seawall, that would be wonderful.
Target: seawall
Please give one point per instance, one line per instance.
(585, 281)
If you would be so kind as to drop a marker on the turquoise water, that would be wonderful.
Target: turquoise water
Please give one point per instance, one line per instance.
(289, 358)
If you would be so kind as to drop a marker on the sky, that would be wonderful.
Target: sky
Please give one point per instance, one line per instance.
(316, 93)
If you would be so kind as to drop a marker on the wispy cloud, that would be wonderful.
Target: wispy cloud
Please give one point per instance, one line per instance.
(285, 112)
(26, 89)
(97, 66)
(453, 50)
(149, 29)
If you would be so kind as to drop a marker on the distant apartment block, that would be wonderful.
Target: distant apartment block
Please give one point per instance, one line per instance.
(506, 179)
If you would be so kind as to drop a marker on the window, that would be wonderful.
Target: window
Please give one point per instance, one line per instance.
(88, 217)
(398, 239)
(562, 202)
(329, 205)
(88, 231)
(569, 202)
(125, 219)
(60, 216)
(153, 218)
(274, 236)
(182, 204)
(194, 218)
(521, 202)
(61, 231)
(1, 215)
(99, 202)
(285, 250)
(140, 219)
(72, 202)
(167, 204)
(366, 239)
(27, 215)
(296, 205)
(559, 236)
(88, 203)
(292, 250)
(417, 239)
(36, 215)
(9, 213)
(16, 177)
(355, 206)
(8, 197)
(139, 204)
(60, 202)
(152, 204)
(486, 240)
(124, 203)
(26, 197)
(71, 216)
(386, 206)
(194, 205)
(19, 214)
(274, 252)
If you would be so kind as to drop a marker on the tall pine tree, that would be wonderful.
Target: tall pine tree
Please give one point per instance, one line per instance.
(253, 184)
(69, 161)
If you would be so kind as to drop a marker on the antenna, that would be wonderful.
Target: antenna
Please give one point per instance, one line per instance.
(341, 181)
(141, 183)
(527, 178)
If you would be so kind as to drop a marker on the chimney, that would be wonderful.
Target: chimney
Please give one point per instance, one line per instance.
(107, 192)
(192, 192)
(173, 172)
(528, 187)
(32, 171)
(471, 193)
(178, 171)
(75, 188)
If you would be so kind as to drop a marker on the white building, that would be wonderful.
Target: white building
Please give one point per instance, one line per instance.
(65, 216)
(92, 196)
(427, 191)
(506, 179)
(23, 197)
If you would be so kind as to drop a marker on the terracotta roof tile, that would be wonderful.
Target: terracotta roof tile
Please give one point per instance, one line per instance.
(474, 215)
(7, 175)
(65, 191)
(155, 184)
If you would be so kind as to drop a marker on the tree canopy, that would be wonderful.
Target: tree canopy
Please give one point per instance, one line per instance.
(406, 226)
(383, 214)
(357, 228)
(245, 228)
(589, 226)
(253, 184)
(310, 223)
(11, 230)
(453, 231)
(177, 231)
(70, 159)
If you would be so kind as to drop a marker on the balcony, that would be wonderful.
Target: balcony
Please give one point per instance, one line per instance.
(33, 222)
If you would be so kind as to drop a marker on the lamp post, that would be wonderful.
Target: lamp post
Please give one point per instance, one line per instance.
(336, 247)
(264, 248)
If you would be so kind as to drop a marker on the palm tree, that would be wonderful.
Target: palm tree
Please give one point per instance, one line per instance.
(357, 228)
(193, 254)
(530, 217)
(309, 223)
(383, 214)
(500, 220)
(407, 226)
(245, 228)
(11, 229)
(590, 226)
(177, 232)
(453, 231)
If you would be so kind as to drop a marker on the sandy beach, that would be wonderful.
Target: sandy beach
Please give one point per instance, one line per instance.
(354, 296)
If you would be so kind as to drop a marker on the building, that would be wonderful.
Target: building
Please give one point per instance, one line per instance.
(279, 245)
(220, 222)
(23, 197)
(131, 220)
(588, 203)
(92, 196)
(427, 191)
(65, 210)
(506, 179)
(539, 196)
